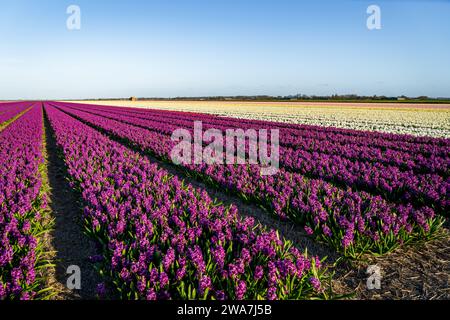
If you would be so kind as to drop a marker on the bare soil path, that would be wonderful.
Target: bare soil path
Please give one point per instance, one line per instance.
(67, 240)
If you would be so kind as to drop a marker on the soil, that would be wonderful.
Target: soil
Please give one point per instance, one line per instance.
(67, 240)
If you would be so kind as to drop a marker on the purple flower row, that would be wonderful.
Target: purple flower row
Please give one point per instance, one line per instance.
(163, 239)
(352, 222)
(9, 110)
(390, 182)
(20, 181)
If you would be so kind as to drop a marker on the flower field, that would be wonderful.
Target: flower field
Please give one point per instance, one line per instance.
(393, 206)
(21, 203)
(405, 118)
(164, 239)
(160, 236)
(10, 110)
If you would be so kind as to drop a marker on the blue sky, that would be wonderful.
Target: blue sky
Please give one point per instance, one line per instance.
(217, 47)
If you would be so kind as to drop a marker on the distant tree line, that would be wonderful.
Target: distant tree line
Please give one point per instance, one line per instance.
(300, 97)
(304, 97)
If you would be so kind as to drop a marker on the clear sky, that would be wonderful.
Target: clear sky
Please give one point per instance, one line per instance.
(223, 47)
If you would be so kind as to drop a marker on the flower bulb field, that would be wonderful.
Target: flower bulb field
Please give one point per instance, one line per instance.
(94, 206)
